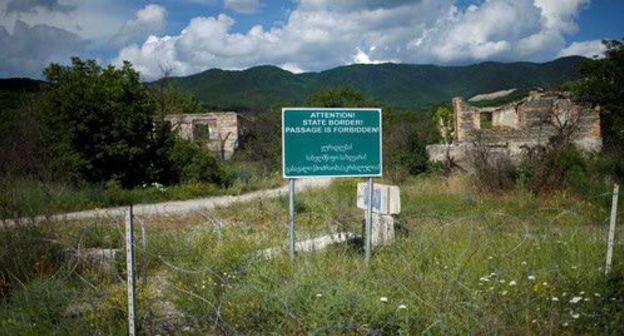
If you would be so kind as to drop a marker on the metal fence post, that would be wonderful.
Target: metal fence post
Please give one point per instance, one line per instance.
(614, 204)
(130, 271)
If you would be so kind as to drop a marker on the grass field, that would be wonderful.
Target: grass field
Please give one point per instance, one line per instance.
(462, 263)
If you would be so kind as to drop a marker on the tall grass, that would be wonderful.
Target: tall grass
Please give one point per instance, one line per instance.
(463, 263)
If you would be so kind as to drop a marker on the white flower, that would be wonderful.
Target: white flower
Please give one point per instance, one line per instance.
(586, 299)
(501, 281)
(524, 263)
(504, 292)
(555, 299)
(582, 293)
(597, 294)
(492, 274)
(485, 279)
(576, 299)
(574, 315)
(383, 299)
(544, 283)
(319, 295)
(512, 283)
(534, 321)
(490, 257)
(565, 324)
(402, 306)
(531, 277)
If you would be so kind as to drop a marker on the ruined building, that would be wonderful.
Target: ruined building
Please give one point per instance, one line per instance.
(220, 131)
(513, 129)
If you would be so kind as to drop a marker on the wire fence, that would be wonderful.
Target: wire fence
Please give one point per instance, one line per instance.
(202, 271)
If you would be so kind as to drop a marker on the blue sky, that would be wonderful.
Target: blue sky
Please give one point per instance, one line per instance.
(189, 36)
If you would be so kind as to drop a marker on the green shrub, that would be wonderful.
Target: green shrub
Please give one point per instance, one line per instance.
(195, 164)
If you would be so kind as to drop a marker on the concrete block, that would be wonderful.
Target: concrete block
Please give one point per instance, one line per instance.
(386, 198)
(382, 230)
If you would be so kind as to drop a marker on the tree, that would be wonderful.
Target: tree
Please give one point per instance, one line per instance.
(342, 96)
(603, 85)
(100, 124)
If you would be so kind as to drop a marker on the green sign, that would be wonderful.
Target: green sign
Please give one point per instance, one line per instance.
(343, 142)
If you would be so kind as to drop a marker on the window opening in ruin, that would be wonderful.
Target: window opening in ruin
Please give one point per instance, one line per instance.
(485, 120)
(201, 132)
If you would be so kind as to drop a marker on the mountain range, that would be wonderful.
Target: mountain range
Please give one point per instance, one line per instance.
(398, 85)
(402, 86)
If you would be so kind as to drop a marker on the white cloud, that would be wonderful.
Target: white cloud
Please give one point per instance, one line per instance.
(584, 48)
(243, 6)
(319, 34)
(151, 19)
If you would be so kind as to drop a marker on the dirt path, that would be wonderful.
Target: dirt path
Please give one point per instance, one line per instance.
(178, 207)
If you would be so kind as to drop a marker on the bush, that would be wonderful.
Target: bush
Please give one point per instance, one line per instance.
(191, 163)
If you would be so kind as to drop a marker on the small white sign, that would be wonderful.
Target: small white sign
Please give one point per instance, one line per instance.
(386, 198)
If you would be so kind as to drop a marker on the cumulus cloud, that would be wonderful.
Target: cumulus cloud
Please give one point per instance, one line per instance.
(149, 20)
(29, 49)
(319, 34)
(584, 48)
(243, 6)
(22, 6)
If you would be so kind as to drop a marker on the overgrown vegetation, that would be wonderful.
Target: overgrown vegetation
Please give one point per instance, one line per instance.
(466, 263)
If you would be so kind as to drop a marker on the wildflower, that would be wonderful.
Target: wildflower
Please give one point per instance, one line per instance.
(491, 288)
(534, 321)
(586, 299)
(504, 292)
(565, 324)
(524, 263)
(383, 299)
(490, 257)
(554, 299)
(402, 306)
(574, 267)
(492, 274)
(564, 294)
(574, 315)
(501, 281)
(597, 294)
(544, 283)
(582, 293)
(531, 277)
(485, 279)
(319, 295)
(576, 299)
(512, 283)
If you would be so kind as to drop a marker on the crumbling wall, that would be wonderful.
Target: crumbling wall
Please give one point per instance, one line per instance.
(220, 130)
(515, 127)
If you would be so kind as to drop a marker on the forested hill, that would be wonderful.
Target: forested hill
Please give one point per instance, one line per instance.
(397, 85)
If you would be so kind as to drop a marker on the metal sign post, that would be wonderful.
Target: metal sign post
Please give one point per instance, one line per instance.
(291, 217)
(369, 221)
(614, 204)
(130, 271)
